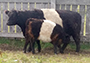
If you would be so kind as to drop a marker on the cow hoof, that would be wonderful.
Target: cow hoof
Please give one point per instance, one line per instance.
(61, 52)
(77, 51)
(24, 51)
(29, 50)
(55, 53)
(33, 52)
(39, 51)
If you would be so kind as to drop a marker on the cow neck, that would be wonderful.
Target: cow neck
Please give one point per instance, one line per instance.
(22, 17)
(21, 22)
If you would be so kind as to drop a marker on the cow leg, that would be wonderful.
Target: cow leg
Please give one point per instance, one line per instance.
(55, 49)
(65, 44)
(29, 49)
(39, 46)
(55, 43)
(32, 46)
(77, 41)
(59, 46)
(63, 48)
(25, 46)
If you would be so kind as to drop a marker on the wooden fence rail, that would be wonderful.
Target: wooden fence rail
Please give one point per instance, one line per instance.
(80, 6)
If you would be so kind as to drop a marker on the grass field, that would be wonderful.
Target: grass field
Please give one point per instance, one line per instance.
(11, 51)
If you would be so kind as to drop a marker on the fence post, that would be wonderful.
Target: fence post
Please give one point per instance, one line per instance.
(15, 25)
(8, 26)
(21, 5)
(28, 6)
(85, 17)
(35, 5)
(70, 7)
(1, 17)
(53, 4)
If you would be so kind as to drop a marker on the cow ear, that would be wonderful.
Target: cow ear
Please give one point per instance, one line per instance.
(6, 11)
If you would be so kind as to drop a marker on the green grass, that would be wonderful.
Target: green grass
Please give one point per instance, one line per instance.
(20, 43)
(12, 43)
(11, 51)
(19, 57)
(83, 46)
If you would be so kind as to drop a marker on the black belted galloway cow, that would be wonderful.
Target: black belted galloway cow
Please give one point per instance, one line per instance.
(70, 21)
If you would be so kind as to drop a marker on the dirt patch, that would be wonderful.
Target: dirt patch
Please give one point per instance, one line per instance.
(8, 47)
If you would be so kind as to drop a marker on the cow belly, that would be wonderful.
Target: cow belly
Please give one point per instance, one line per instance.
(46, 31)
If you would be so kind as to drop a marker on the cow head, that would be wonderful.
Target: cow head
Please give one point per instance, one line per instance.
(12, 17)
